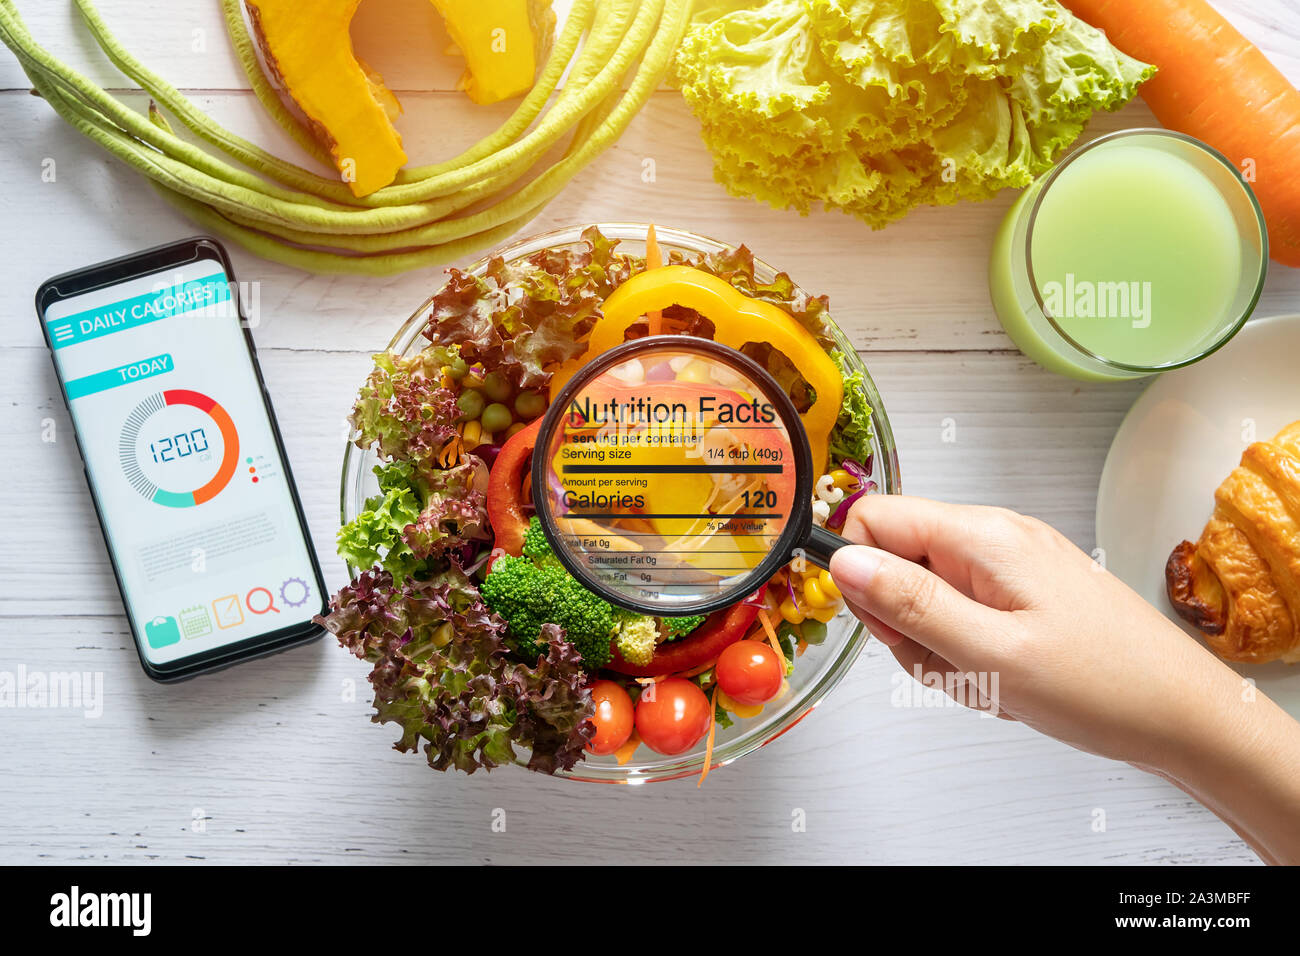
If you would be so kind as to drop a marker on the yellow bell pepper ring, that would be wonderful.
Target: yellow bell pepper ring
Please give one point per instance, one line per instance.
(737, 319)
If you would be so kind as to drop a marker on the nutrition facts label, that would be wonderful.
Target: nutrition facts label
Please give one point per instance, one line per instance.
(670, 477)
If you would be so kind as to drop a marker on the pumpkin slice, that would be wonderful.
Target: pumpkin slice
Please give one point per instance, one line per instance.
(348, 108)
(502, 42)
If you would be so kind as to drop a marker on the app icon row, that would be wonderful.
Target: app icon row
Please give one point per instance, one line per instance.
(225, 612)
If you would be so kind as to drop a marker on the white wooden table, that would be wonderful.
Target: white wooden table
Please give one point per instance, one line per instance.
(277, 760)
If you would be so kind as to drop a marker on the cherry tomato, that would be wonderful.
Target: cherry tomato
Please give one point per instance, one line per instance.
(749, 672)
(613, 717)
(672, 716)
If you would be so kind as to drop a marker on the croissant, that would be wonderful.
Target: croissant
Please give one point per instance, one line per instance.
(1240, 583)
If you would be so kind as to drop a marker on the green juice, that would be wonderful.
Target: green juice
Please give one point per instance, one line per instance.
(1135, 252)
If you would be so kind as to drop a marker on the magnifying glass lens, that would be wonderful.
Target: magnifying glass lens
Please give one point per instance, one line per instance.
(670, 474)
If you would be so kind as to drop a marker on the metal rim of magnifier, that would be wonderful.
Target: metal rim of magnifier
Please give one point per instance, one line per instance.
(797, 525)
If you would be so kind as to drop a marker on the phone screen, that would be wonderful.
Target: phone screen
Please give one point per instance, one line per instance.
(195, 498)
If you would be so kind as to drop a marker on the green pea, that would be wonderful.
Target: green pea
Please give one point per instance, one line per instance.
(496, 417)
(457, 369)
(497, 386)
(812, 631)
(530, 404)
(470, 403)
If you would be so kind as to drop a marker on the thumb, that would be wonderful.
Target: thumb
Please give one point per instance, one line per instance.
(911, 600)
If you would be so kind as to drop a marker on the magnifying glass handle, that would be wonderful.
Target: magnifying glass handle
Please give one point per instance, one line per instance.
(821, 544)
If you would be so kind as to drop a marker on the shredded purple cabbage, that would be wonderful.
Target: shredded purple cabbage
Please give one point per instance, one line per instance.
(861, 473)
(837, 519)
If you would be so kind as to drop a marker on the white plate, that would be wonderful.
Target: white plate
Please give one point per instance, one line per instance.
(1177, 444)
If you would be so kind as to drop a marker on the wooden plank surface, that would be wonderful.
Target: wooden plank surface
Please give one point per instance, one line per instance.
(276, 760)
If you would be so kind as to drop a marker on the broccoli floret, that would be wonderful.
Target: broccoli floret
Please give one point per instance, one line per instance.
(528, 595)
(536, 546)
(636, 637)
(681, 626)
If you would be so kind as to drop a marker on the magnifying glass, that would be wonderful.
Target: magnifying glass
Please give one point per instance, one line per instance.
(269, 605)
(672, 476)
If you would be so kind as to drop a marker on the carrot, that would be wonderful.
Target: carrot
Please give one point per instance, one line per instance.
(708, 747)
(698, 670)
(771, 634)
(654, 259)
(1214, 84)
(624, 753)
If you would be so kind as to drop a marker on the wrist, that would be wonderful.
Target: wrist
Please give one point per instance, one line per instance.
(1238, 753)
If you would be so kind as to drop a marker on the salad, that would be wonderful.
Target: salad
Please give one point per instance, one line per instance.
(483, 649)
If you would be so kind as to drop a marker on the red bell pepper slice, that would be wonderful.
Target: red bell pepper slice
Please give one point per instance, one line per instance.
(505, 501)
(721, 629)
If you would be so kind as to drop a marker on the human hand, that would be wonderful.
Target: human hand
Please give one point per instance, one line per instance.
(969, 591)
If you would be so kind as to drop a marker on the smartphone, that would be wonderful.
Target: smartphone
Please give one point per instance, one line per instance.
(183, 457)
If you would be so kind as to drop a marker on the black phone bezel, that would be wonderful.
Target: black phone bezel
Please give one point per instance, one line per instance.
(147, 262)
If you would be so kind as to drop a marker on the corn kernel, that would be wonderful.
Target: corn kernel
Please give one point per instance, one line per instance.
(842, 479)
(697, 372)
(740, 710)
(813, 593)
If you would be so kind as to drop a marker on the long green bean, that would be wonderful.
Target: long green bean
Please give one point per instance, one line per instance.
(313, 222)
(232, 190)
(575, 26)
(200, 123)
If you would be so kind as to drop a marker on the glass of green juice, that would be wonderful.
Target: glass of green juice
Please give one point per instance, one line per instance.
(1142, 251)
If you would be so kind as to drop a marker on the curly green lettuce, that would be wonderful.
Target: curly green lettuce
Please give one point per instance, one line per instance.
(851, 436)
(418, 518)
(403, 411)
(454, 513)
(442, 673)
(374, 538)
(525, 317)
(874, 107)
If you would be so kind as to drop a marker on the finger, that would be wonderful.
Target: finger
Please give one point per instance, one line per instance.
(957, 542)
(914, 602)
(934, 671)
(885, 635)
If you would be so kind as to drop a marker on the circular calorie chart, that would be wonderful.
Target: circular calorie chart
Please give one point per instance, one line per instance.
(154, 411)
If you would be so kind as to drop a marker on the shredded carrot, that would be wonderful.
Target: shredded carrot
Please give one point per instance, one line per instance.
(696, 671)
(771, 633)
(803, 646)
(451, 452)
(713, 726)
(624, 753)
(654, 259)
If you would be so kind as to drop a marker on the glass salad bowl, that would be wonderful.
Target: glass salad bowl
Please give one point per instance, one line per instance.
(821, 666)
